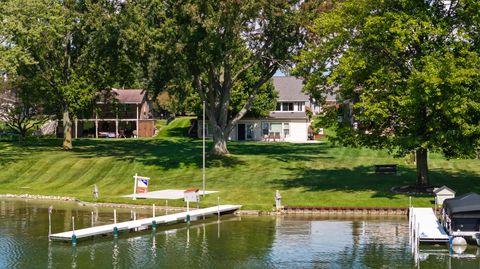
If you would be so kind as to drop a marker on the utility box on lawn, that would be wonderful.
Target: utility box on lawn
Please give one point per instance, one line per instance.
(443, 193)
(191, 195)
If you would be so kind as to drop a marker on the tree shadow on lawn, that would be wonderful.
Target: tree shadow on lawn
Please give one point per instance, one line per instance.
(163, 153)
(173, 153)
(362, 178)
(16, 150)
(284, 152)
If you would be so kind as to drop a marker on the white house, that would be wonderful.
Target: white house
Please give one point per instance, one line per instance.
(288, 122)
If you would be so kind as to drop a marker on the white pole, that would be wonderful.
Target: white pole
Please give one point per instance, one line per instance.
(138, 129)
(92, 218)
(153, 209)
(135, 187)
(76, 128)
(73, 225)
(166, 207)
(115, 216)
(418, 238)
(203, 149)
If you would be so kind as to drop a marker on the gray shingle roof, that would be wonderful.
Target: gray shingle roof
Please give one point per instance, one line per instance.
(289, 89)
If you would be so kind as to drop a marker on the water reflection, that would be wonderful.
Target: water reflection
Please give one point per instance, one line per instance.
(246, 242)
(74, 257)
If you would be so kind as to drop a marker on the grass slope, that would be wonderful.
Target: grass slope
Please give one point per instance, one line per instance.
(305, 174)
(176, 128)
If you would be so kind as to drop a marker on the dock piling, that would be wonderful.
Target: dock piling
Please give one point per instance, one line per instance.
(74, 237)
(115, 229)
(188, 212)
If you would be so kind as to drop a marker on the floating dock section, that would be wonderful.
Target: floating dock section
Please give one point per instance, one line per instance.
(425, 227)
(142, 223)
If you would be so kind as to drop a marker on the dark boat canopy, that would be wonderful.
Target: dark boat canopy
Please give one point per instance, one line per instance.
(468, 203)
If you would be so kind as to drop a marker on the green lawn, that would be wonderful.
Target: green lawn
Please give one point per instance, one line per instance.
(306, 174)
(176, 128)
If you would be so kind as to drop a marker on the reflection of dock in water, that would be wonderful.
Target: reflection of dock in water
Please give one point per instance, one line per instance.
(101, 246)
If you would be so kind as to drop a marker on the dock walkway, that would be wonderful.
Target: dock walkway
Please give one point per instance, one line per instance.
(426, 225)
(143, 223)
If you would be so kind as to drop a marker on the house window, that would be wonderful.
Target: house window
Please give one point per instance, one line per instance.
(276, 129)
(287, 106)
(279, 107)
(265, 128)
(300, 106)
(286, 129)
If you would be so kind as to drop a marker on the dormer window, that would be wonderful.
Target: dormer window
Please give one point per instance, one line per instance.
(290, 106)
(287, 106)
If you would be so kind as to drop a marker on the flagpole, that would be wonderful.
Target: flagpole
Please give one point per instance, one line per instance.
(203, 149)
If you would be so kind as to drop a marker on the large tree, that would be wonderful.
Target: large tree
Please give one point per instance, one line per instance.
(68, 50)
(212, 44)
(22, 108)
(407, 72)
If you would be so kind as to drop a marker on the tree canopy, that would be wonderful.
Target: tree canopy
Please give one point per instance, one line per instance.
(67, 50)
(219, 47)
(407, 72)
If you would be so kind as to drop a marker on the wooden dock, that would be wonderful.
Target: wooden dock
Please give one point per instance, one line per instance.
(143, 223)
(425, 225)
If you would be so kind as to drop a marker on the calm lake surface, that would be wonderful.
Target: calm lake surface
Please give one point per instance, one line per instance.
(234, 242)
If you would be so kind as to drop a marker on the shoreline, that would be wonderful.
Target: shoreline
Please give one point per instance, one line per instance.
(115, 205)
(80, 202)
(286, 210)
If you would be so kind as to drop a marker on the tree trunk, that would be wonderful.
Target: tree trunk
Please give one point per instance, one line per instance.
(219, 143)
(23, 132)
(422, 167)
(67, 131)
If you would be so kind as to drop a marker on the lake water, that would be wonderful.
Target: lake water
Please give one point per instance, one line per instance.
(232, 242)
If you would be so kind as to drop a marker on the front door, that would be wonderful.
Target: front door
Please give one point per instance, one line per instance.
(241, 132)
